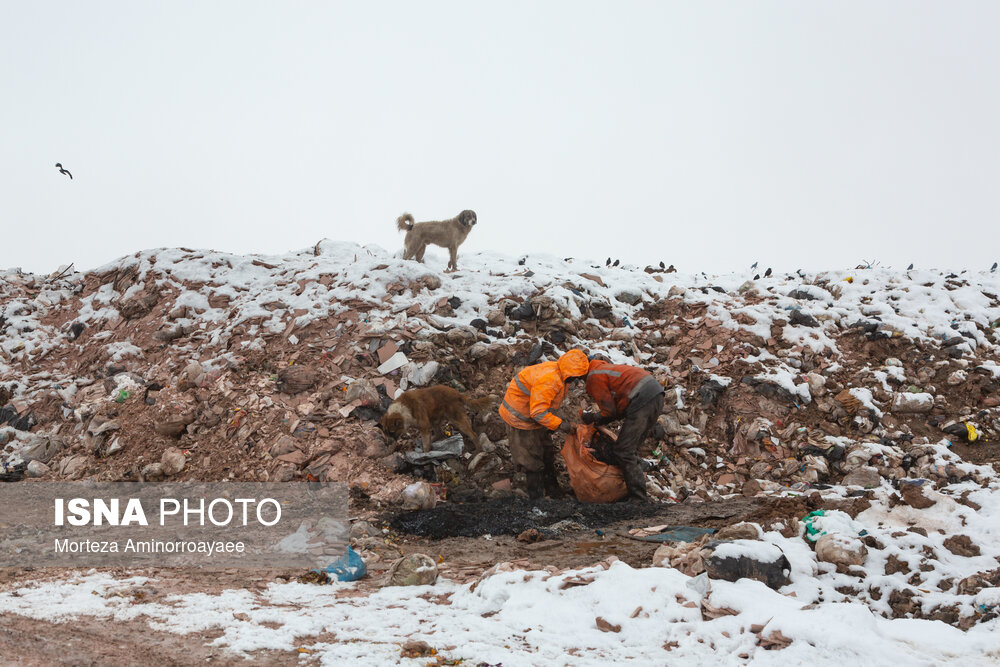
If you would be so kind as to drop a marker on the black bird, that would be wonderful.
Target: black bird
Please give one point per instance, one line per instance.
(671, 269)
(753, 266)
(994, 269)
(909, 268)
(608, 263)
(616, 263)
(662, 266)
(767, 274)
(521, 261)
(64, 171)
(756, 276)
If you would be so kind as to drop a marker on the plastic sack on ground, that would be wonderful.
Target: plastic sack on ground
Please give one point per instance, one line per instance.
(592, 480)
(349, 567)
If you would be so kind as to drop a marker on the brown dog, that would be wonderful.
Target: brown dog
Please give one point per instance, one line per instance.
(445, 233)
(430, 407)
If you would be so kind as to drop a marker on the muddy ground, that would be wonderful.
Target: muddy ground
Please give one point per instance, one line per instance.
(466, 539)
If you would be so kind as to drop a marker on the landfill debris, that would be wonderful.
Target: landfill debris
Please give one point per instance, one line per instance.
(413, 570)
(448, 448)
(418, 496)
(349, 567)
(750, 559)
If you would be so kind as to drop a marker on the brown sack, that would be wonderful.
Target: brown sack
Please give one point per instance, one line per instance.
(592, 480)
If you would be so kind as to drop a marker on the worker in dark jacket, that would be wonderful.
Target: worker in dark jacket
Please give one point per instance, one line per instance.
(632, 394)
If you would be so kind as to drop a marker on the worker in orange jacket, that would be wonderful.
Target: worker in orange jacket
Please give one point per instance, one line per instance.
(529, 408)
(632, 394)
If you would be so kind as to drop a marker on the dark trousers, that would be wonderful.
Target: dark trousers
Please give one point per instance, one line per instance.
(534, 452)
(637, 426)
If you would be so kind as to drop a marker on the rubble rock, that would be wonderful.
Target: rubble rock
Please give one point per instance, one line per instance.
(913, 495)
(173, 426)
(413, 570)
(418, 496)
(840, 549)
(496, 318)
(817, 384)
(72, 466)
(152, 472)
(748, 559)
(865, 476)
(36, 469)
(172, 461)
(629, 296)
(797, 317)
(360, 529)
(961, 545)
(739, 531)
(296, 379)
(908, 403)
(430, 281)
(461, 336)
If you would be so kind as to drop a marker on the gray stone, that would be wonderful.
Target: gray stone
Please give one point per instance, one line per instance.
(747, 559)
(36, 469)
(172, 461)
(865, 477)
(629, 296)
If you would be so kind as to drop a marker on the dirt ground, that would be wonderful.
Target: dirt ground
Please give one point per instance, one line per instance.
(454, 534)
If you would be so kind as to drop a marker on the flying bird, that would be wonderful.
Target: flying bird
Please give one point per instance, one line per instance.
(64, 171)
(753, 266)
(767, 274)
(910, 267)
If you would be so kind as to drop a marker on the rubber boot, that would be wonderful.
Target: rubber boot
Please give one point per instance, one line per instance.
(635, 480)
(534, 484)
(552, 488)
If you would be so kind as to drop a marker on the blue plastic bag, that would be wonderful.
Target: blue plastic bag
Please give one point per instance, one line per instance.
(349, 567)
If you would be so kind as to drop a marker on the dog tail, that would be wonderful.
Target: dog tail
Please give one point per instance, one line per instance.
(404, 223)
(480, 404)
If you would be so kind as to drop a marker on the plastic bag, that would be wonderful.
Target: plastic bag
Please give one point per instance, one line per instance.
(592, 481)
(349, 567)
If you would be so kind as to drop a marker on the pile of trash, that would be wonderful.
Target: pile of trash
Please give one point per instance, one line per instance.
(184, 364)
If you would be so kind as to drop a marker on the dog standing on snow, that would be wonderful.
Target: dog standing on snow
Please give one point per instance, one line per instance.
(430, 408)
(445, 233)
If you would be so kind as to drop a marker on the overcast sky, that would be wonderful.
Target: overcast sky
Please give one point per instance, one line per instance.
(705, 134)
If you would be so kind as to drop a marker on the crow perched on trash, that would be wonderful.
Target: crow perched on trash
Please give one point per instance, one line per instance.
(910, 267)
(608, 263)
(994, 268)
(521, 261)
(662, 266)
(767, 274)
(64, 171)
(756, 276)
(617, 261)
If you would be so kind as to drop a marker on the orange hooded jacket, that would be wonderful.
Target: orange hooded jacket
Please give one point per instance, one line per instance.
(537, 390)
(615, 386)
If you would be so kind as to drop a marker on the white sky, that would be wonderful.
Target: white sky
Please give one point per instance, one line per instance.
(705, 134)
